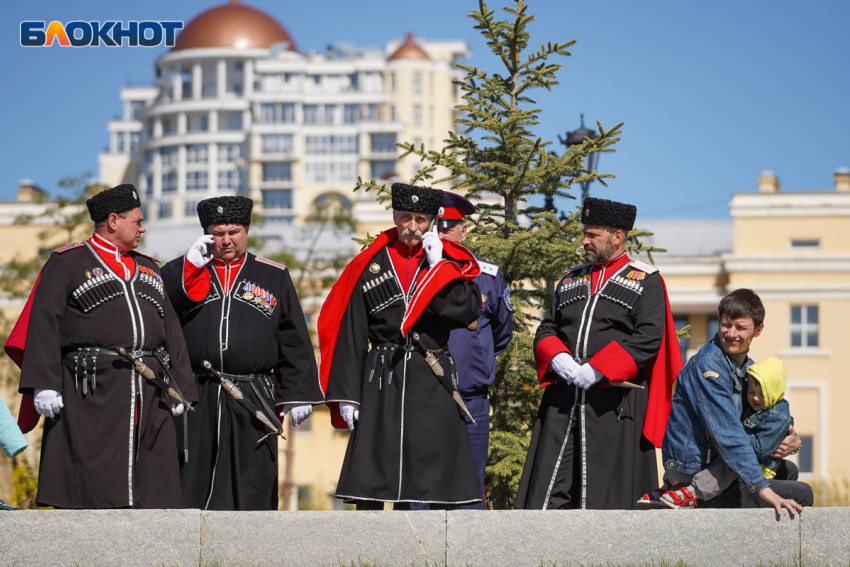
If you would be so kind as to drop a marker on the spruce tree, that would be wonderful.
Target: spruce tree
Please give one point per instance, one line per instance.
(499, 163)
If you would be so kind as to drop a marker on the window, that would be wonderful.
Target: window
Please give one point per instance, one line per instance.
(392, 82)
(266, 113)
(165, 210)
(351, 114)
(372, 113)
(209, 82)
(277, 143)
(417, 115)
(233, 121)
(330, 109)
(353, 82)
(196, 153)
(713, 327)
(311, 114)
(197, 123)
(805, 244)
(328, 144)
(168, 126)
(196, 180)
(169, 157)
(148, 185)
(279, 219)
(392, 113)
(417, 83)
(169, 182)
(383, 169)
(383, 143)
(229, 153)
(136, 108)
(135, 138)
(680, 323)
(277, 171)
(330, 171)
(277, 199)
(804, 326)
(230, 180)
(805, 458)
(119, 143)
(190, 208)
(287, 113)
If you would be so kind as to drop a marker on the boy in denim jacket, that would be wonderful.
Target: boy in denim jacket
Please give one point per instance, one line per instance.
(766, 421)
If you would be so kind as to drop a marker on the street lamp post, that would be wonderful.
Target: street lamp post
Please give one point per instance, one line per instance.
(577, 137)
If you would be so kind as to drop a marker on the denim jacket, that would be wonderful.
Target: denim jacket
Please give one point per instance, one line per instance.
(706, 413)
(766, 429)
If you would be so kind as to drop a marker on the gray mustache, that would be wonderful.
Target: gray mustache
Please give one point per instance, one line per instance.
(407, 232)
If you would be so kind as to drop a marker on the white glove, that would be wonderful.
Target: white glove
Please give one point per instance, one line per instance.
(433, 246)
(199, 254)
(48, 402)
(587, 376)
(350, 413)
(565, 366)
(300, 412)
(178, 410)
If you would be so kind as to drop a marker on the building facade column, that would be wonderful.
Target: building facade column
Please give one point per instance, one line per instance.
(176, 85)
(197, 81)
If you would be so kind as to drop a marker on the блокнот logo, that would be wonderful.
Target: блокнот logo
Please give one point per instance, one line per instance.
(79, 33)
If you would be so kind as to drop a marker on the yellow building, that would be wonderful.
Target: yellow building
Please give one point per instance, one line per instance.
(792, 249)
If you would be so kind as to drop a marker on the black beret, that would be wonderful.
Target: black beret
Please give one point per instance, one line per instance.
(116, 200)
(225, 210)
(416, 199)
(608, 213)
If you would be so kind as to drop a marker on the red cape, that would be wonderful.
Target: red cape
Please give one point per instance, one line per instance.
(427, 285)
(662, 379)
(15, 345)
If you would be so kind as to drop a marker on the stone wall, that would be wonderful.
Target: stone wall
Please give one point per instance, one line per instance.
(153, 538)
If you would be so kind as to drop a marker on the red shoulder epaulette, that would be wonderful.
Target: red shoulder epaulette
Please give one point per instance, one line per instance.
(262, 260)
(63, 249)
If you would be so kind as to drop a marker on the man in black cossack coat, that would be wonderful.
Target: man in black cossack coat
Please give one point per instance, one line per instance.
(402, 295)
(239, 313)
(109, 437)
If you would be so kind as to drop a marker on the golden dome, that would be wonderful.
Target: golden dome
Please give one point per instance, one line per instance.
(232, 25)
(409, 50)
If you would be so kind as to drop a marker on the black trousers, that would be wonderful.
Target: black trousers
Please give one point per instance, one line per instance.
(785, 484)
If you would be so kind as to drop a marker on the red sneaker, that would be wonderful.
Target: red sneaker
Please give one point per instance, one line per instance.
(680, 498)
(652, 500)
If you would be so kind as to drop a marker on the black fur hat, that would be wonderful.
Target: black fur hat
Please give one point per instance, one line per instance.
(116, 200)
(608, 213)
(225, 210)
(416, 199)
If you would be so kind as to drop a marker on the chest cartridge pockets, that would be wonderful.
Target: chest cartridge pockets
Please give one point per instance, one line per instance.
(380, 292)
(96, 291)
(623, 291)
(572, 290)
(150, 288)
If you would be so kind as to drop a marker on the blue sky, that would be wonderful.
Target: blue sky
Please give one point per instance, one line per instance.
(711, 93)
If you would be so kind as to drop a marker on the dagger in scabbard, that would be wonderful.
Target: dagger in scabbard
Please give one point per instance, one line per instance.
(235, 392)
(151, 377)
(434, 364)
